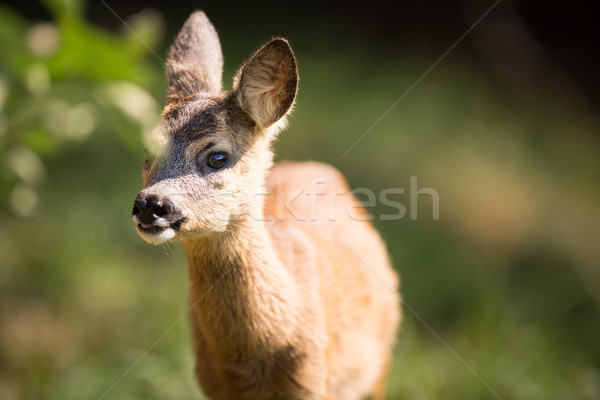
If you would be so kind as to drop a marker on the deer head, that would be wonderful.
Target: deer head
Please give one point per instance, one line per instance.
(214, 147)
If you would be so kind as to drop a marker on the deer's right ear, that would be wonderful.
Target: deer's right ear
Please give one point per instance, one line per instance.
(195, 62)
(266, 85)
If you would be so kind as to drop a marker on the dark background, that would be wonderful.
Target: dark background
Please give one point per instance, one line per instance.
(567, 32)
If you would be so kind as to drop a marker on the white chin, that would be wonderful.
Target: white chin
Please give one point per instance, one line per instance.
(158, 237)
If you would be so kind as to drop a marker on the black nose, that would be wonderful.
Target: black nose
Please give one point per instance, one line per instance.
(148, 208)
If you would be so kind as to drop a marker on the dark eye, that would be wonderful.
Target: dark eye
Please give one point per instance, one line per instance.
(217, 160)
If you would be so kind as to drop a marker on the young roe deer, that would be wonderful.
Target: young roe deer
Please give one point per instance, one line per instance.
(284, 307)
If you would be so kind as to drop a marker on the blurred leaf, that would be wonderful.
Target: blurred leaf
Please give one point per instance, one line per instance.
(65, 8)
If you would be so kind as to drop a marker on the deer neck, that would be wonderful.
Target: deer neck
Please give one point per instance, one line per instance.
(242, 296)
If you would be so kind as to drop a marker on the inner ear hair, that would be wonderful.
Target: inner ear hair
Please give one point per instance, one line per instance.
(266, 85)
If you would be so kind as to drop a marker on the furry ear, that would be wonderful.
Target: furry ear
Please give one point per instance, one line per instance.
(265, 86)
(195, 62)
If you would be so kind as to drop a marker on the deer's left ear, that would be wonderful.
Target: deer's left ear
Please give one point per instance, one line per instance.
(265, 86)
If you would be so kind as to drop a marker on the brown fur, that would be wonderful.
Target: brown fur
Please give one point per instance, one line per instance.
(284, 307)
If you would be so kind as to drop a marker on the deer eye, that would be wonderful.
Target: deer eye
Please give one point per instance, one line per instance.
(217, 160)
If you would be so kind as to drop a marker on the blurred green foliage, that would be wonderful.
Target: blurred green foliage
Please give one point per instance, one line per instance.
(501, 295)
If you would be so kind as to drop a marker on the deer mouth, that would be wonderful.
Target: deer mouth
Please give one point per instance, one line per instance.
(149, 228)
(159, 231)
